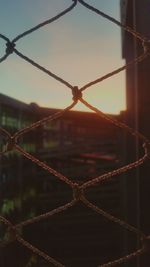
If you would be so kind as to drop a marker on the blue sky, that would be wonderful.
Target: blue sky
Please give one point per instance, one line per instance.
(79, 47)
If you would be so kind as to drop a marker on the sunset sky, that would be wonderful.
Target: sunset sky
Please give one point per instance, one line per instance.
(79, 47)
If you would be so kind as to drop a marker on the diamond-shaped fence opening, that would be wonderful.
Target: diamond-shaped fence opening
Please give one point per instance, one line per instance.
(16, 233)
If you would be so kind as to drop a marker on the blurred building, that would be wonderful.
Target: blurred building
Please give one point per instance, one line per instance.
(81, 146)
(15, 115)
(135, 14)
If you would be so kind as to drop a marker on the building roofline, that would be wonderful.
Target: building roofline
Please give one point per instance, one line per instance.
(44, 111)
(15, 103)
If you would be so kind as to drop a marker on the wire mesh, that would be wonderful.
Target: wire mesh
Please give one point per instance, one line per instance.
(77, 189)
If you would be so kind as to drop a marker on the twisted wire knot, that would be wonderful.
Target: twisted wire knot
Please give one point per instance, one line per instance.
(10, 47)
(77, 94)
(10, 144)
(146, 46)
(77, 193)
(11, 234)
(146, 147)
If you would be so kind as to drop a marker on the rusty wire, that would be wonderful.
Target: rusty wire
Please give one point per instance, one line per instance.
(78, 190)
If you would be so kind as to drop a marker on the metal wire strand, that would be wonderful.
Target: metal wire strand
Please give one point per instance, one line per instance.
(46, 22)
(43, 121)
(118, 23)
(39, 252)
(104, 177)
(47, 215)
(124, 259)
(48, 72)
(115, 122)
(109, 217)
(44, 166)
(117, 71)
(2, 36)
(4, 58)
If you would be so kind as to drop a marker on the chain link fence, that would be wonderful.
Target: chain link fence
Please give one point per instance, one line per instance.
(78, 190)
